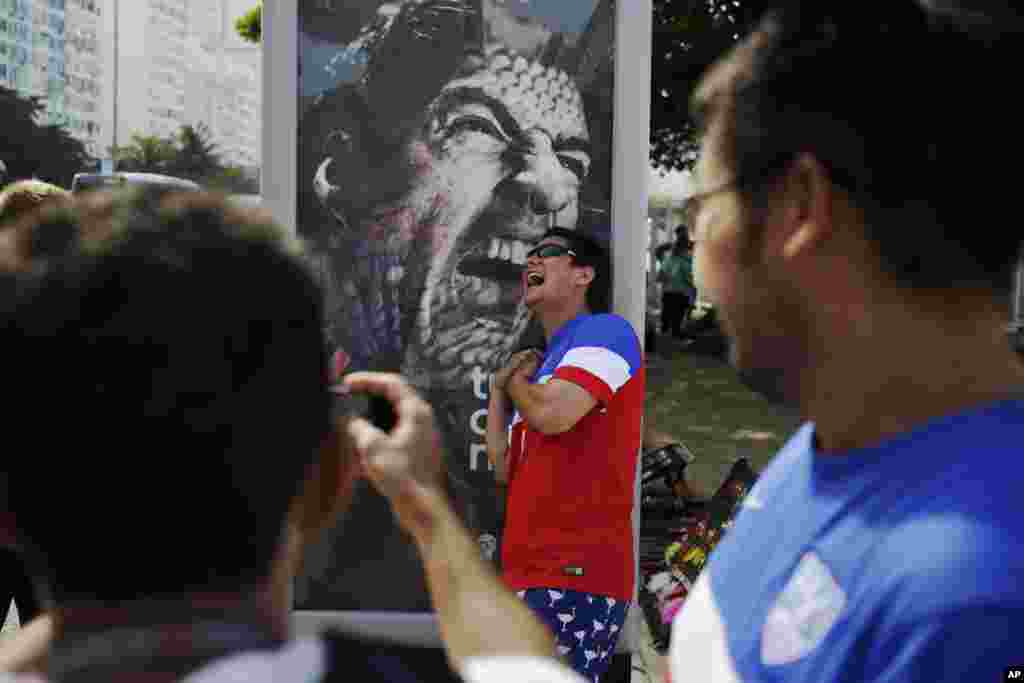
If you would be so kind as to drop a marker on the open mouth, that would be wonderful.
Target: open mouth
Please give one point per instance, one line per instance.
(503, 260)
(490, 272)
(472, 313)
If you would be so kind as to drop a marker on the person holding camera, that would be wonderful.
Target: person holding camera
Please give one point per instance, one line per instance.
(199, 446)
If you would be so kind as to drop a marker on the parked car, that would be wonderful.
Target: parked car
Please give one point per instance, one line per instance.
(84, 182)
(247, 201)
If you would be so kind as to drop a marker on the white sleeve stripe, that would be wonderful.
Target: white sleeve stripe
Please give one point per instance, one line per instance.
(604, 363)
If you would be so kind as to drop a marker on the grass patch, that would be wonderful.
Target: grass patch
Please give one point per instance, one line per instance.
(699, 401)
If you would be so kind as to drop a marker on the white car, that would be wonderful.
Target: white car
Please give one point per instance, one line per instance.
(247, 201)
(84, 182)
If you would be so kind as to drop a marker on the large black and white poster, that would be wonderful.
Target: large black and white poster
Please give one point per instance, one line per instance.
(437, 140)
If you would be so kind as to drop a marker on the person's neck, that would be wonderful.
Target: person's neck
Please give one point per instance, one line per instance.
(552, 319)
(882, 373)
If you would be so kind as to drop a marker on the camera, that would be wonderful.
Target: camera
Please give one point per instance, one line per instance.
(375, 409)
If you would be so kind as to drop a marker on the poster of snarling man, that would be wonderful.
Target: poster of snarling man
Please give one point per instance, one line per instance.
(438, 139)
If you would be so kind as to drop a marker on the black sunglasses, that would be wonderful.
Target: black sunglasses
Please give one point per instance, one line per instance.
(549, 250)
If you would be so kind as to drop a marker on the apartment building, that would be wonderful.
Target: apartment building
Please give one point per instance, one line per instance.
(181, 63)
(178, 62)
(53, 49)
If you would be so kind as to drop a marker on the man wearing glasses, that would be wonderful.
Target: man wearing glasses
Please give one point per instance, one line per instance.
(569, 456)
(861, 278)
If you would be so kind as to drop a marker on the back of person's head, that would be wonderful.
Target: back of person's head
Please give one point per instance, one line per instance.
(171, 397)
(21, 198)
(682, 242)
(900, 105)
(589, 252)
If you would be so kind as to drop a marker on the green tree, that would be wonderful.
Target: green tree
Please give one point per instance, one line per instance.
(34, 150)
(190, 153)
(689, 35)
(250, 25)
(196, 156)
(233, 180)
(146, 154)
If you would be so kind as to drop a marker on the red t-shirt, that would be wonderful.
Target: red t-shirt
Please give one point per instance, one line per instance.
(570, 496)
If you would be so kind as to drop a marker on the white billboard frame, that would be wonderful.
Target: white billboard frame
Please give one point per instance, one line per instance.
(630, 172)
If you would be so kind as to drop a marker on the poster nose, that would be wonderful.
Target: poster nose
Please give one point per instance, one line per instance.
(547, 182)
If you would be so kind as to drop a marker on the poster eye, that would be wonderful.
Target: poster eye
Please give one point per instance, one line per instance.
(478, 124)
(576, 166)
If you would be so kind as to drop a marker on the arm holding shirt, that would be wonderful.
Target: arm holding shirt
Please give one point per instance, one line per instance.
(551, 408)
(498, 410)
(601, 358)
(487, 630)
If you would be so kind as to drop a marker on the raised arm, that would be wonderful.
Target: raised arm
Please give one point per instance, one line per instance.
(481, 620)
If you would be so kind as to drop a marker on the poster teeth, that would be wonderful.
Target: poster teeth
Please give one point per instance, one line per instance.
(495, 248)
(519, 253)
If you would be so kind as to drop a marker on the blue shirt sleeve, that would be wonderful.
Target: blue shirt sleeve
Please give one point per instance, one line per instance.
(612, 332)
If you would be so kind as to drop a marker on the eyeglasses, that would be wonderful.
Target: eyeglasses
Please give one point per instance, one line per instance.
(696, 202)
(549, 250)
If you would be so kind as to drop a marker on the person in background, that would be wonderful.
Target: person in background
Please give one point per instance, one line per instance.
(678, 294)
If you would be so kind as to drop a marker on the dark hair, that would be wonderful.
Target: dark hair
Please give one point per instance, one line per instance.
(868, 94)
(589, 252)
(171, 381)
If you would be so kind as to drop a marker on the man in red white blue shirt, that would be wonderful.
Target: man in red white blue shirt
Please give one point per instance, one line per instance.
(569, 456)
